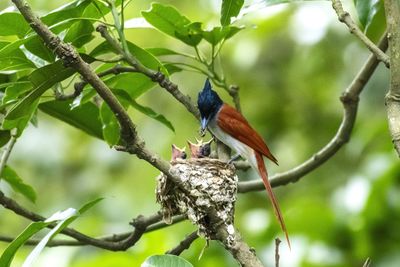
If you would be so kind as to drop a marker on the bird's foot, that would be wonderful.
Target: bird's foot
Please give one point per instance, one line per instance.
(234, 158)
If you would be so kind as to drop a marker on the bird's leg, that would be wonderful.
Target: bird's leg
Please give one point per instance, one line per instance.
(234, 158)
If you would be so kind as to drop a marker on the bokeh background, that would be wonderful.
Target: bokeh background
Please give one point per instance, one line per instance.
(292, 61)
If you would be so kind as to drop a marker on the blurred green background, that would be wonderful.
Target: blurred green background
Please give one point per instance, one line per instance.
(291, 62)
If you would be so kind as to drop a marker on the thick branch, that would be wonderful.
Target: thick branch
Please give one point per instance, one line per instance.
(344, 17)
(392, 9)
(349, 99)
(134, 144)
(240, 250)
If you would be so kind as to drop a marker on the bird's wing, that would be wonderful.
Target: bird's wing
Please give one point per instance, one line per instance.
(234, 124)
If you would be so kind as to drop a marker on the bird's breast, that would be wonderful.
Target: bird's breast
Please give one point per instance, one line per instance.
(244, 150)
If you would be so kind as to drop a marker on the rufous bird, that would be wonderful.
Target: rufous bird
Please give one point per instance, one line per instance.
(200, 150)
(232, 129)
(178, 153)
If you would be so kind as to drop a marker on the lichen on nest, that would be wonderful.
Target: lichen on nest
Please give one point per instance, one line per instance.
(213, 187)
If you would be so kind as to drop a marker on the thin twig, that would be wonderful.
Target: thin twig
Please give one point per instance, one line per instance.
(349, 100)
(345, 18)
(151, 223)
(184, 244)
(156, 76)
(234, 93)
(10, 204)
(78, 87)
(392, 10)
(133, 142)
(277, 242)
(115, 242)
(6, 153)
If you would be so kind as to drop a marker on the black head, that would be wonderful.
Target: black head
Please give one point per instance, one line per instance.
(208, 103)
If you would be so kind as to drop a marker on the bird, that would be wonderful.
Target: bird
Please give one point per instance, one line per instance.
(231, 128)
(177, 153)
(200, 150)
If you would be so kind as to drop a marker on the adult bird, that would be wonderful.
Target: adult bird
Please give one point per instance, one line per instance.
(231, 128)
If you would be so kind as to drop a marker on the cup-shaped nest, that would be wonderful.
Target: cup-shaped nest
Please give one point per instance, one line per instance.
(212, 185)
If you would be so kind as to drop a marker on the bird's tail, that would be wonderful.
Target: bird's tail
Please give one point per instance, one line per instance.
(264, 175)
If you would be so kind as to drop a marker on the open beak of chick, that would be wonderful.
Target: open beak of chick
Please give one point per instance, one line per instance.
(178, 153)
(200, 150)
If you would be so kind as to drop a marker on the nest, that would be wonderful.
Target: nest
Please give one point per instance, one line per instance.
(212, 185)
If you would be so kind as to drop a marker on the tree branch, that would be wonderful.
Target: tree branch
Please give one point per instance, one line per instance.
(345, 18)
(349, 98)
(184, 244)
(111, 238)
(277, 242)
(116, 242)
(233, 242)
(392, 10)
(6, 153)
(234, 93)
(78, 87)
(155, 76)
(134, 144)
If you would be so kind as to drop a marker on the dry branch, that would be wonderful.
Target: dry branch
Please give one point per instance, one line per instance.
(345, 17)
(392, 9)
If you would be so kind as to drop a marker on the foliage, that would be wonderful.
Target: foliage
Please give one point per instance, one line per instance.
(288, 89)
(165, 260)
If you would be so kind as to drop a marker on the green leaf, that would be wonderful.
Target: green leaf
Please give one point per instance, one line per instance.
(169, 21)
(111, 129)
(229, 9)
(161, 51)
(89, 205)
(4, 137)
(12, 178)
(218, 34)
(146, 58)
(122, 95)
(11, 64)
(20, 123)
(62, 18)
(14, 60)
(172, 68)
(13, 24)
(42, 79)
(80, 33)
(143, 56)
(71, 10)
(152, 114)
(84, 117)
(8, 254)
(135, 84)
(36, 46)
(65, 218)
(10, 47)
(166, 261)
(366, 10)
(14, 91)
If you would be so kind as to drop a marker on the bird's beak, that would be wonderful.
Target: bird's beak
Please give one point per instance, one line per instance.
(204, 123)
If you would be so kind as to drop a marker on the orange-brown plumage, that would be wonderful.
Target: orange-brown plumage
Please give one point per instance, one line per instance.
(234, 124)
(231, 128)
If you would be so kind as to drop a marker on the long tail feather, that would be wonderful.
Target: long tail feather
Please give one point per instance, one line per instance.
(264, 175)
